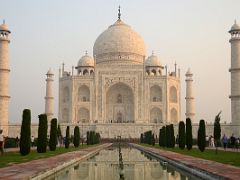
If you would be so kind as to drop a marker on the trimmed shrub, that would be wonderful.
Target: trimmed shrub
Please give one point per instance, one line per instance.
(171, 137)
(141, 138)
(182, 135)
(25, 138)
(153, 140)
(42, 134)
(164, 136)
(217, 130)
(168, 136)
(53, 135)
(189, 139)
(67, 138)
(76, 139)
(201, 136)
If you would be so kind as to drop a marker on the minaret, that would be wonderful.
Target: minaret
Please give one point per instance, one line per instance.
(235, 75)
(4, 77)
(49, 95)
(190, 112)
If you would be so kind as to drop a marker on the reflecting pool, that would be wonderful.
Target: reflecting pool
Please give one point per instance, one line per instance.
(106, 166)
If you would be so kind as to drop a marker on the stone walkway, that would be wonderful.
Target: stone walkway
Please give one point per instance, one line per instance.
(219, 169)
(39, 169)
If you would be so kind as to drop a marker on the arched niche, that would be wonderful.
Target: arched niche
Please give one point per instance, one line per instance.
(83, 94)
(83, 115)
(173, 94)
(65, 115)
(120, 104)
(155, 93)
(156, 115)
(66, 94)
(174, 115)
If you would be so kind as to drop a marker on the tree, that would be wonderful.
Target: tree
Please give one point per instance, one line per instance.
(182, 135)
(67, 138)
(76, 139)
(167, 136)
(172, 137)
(153, 140)
(53, 135)
(201, 136)
(160, 137)
(141, 138)
(217, 130)
(42, 134)
(25, 138)
(164, 136)
(189, 139)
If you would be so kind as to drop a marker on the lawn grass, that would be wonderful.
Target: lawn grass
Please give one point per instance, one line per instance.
(225, 157)
(10, 158)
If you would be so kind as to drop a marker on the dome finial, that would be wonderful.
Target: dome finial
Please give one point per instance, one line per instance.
(3, 21)
(86, 53)
(152, 52)
(119, 12)
(235, 21)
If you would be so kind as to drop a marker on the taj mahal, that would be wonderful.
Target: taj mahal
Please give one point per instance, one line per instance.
(120, 90)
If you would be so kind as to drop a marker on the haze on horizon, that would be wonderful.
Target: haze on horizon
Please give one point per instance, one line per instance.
(192, 33)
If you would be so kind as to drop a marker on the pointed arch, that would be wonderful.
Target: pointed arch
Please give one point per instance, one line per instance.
(156, 115)
(173, 94)
(155, 93)
(83, 93)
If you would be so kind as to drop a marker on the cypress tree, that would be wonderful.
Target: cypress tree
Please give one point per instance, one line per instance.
(160, 137)
(217, 130)
(201, 136)
(189, 139)
(42, 134)
(141, 138)
(164, 136)
(76, 139)
(25, 138)
(182, 135)
(53, 135)
(67, 138)
(167, 136)
(88, 140)
(172, 137)
(153, 140)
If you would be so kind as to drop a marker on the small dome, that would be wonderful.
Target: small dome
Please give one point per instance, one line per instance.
(117, 39)
(189, 72)
(235, 27)
(153, 60)
(86, 60)
(4, 27)
(50, 72)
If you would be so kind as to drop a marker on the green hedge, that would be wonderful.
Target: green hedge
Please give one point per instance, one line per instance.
(53, 135)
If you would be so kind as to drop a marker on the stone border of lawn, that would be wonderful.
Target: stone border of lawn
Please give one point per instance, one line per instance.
(196, 172)
(49, 172)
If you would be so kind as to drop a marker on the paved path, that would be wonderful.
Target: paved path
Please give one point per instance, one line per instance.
(40, 168)
(219, 169)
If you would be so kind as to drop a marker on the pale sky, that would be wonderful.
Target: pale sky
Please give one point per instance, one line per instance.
(192, 33)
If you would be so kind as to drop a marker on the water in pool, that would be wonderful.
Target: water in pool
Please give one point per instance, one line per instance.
(107, 165)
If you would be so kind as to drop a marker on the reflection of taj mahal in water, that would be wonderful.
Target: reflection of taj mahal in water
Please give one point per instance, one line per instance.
(119, 85)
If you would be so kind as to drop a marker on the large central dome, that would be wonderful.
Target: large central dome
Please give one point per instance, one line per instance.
(119, 43)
